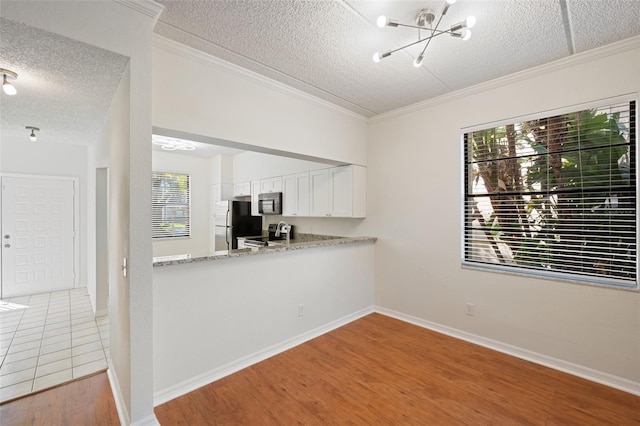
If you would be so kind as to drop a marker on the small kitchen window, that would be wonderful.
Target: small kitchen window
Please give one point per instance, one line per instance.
(555, 196)
(171, 205)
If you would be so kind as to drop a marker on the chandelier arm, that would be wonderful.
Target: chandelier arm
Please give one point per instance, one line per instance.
(433, 33)
(410, 44)
(425, 28)
(417, 42)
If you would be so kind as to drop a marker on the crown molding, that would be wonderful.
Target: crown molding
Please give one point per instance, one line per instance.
(577, 59)
(207, 59)
(146, 7)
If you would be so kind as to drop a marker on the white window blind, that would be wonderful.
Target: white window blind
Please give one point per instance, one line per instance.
(555, 196)
(171, 202)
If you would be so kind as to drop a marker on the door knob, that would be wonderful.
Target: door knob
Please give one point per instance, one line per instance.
(7, 236)
(7, 245)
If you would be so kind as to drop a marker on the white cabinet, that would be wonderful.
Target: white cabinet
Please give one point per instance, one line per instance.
(271, 184)
(255, 190)
(319, 193)
(338, 192)
(242, 189)
(295, 195)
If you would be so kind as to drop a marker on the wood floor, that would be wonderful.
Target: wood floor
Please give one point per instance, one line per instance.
(84, 402)
(374, 371)
(379, 370)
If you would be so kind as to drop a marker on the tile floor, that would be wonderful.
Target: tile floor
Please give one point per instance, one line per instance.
(48, 339)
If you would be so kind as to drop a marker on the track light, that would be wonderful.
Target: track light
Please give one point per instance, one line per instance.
(32, 136)
(7, 87)
(424, 22)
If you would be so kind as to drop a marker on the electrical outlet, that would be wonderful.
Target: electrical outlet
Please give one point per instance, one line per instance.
(470, 309)
(300, 310)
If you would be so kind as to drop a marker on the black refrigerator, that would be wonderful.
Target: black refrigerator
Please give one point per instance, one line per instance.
(233, 219)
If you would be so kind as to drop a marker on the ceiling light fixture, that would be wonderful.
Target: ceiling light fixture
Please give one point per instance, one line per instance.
(424, 21)
(171, 144)
(32, 136)
(7, 87)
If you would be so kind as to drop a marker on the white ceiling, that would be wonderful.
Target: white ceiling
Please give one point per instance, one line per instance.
(325, 47)
(64, 86)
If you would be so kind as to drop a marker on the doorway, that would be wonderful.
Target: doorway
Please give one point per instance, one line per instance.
(39, 224)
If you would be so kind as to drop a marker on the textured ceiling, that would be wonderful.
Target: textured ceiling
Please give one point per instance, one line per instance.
(324, 47)
(64, 86)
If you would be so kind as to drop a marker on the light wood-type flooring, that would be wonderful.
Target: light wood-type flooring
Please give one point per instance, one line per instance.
(373, 371)
(379, 370)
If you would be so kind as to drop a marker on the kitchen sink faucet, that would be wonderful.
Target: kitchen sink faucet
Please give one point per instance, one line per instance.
(284, 229)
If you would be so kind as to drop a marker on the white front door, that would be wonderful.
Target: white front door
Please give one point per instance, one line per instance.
(38, 235)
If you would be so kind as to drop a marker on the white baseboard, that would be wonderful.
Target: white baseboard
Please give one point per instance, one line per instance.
(150, 420)
(211, 376)
(537, 358)
(123, 414)
(102, 313)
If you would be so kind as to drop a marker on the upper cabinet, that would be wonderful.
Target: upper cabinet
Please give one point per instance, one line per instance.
(242, 189)
(295, 194)
(271, 184)
(338, 192)
(334, 192)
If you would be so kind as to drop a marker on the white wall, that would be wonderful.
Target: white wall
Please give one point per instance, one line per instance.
(417, 266)
(195, 93)
(200, 170)
(250, 166)
(124, 28)
(214, 317)
(53, 159)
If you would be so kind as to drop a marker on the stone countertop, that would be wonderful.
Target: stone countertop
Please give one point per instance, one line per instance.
(302, 241)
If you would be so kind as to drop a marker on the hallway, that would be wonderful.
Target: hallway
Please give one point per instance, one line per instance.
(48, 339)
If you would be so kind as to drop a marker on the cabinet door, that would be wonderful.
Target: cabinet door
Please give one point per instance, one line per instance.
(341, 187)
(241, 189)
(276, 184)
(319, 193)
(290, 196)
(237, 189)
(302, 180)
(255, 190)
(265, 185)
(295, 195)
(246, 188)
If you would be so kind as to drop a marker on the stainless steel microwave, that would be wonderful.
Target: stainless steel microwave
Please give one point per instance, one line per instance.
(270, 203)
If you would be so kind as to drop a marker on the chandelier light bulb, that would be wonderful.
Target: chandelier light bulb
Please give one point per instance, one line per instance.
(382, 21)
(466, 34)
(376, 57)
(450, 2)
(470, 22)
(7, 87)
(418, 61)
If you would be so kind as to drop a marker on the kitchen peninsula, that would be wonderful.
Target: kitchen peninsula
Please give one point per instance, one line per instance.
(212, 318)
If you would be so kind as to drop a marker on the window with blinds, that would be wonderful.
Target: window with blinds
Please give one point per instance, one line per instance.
(171, 205)
(555, 196)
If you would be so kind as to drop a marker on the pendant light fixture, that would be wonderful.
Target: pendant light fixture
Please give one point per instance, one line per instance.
(7, 87)
(424, 22)
(32, 136)
(172, 144)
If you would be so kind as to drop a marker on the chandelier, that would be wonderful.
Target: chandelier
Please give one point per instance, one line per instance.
(424, 22)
